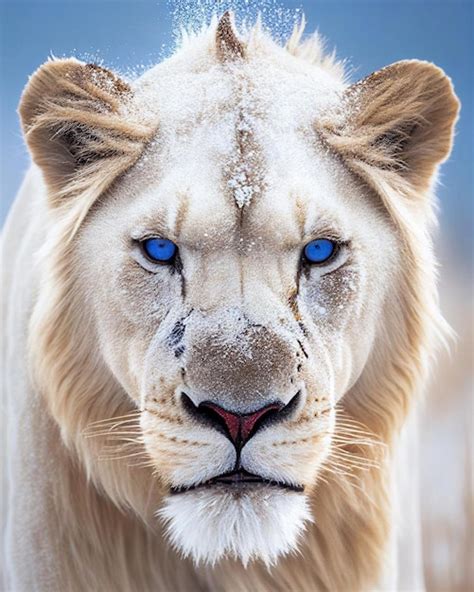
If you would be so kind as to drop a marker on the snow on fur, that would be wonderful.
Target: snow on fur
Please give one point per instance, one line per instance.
(247, 149)
(260, 524)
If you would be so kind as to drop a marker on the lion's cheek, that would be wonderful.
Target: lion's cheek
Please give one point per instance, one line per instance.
(295, 455)
(183, 455)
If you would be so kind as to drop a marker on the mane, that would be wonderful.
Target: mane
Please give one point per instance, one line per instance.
(351, 504)
(259, 40)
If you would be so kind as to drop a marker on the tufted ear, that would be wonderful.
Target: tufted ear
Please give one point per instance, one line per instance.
(400, 119)
(77, 124)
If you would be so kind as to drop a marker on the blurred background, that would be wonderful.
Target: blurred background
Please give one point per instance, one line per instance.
(131, 35)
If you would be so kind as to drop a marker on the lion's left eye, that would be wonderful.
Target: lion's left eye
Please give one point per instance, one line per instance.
(319, 250)
(160, 250)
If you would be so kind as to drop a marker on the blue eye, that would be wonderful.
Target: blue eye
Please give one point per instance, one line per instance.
(159, 249)
(319, 250)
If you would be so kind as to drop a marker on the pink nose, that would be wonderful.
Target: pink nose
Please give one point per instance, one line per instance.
(240, 427)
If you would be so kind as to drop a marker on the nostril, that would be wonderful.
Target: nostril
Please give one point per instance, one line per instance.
(212, 415)
(206, 414)
(188, 404)
(290, 408)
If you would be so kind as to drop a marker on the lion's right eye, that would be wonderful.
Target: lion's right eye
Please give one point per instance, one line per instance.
(159, 250)
(319, 251)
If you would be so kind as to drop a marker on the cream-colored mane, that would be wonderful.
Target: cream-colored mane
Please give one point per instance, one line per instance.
(82, 441)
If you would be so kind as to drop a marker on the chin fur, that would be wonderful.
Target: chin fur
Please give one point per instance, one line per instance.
(258, 524)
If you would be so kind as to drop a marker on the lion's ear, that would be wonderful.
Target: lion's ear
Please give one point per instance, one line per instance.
(400, 118)
(74, 115)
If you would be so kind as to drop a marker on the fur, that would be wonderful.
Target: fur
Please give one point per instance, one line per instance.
(116, 434)
(249, 527)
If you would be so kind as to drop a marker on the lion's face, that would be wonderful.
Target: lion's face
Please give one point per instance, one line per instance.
(239, 321)
(235, 351)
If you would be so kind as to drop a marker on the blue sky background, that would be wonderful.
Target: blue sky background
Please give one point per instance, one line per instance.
(125, 34)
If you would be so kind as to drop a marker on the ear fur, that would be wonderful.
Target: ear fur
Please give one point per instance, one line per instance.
(74, 117)
(400, 118)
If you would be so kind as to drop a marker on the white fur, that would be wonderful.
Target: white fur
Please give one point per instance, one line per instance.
(263, 523)
(154, 160)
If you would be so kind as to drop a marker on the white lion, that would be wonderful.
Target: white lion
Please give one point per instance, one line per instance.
(222, 279)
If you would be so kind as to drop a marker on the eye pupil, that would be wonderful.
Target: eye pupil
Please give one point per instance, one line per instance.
(319, 250)
(159, 249)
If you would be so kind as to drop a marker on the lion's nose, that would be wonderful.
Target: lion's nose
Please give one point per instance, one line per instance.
(239, 427)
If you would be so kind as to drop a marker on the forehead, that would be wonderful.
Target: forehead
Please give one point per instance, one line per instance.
(235, 144)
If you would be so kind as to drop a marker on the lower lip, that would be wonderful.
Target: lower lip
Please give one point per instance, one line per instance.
(240, 483)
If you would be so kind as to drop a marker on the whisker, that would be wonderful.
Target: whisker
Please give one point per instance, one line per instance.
(357, 462)
(128, 416)
(121, 447)
(338, 472)
(321, 478)
(149, 464)
(345, 430)
(110, 434)
(110, 428)
(352, 440)
(122, 457)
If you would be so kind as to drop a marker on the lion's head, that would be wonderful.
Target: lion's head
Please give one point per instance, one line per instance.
(238, 278)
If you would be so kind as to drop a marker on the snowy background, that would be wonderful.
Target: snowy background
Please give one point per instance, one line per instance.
(132, 35)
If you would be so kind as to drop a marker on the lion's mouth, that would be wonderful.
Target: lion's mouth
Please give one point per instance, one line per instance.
(237, 480)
